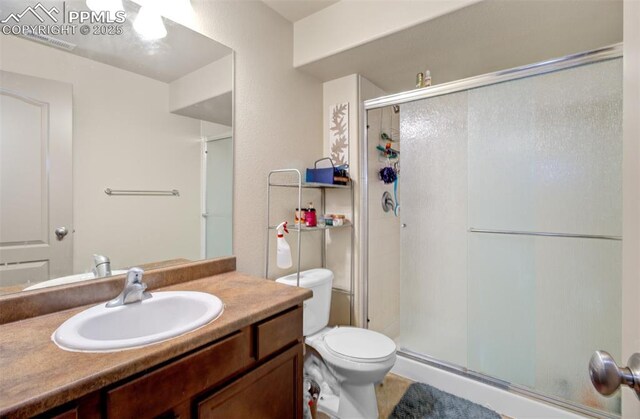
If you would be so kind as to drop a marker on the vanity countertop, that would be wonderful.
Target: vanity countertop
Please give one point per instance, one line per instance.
(35, 375)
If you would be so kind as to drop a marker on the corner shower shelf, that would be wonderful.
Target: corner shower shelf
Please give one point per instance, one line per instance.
(322, 187)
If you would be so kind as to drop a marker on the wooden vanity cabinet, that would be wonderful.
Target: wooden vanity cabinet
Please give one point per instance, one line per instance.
(255, 372)
(273, 390)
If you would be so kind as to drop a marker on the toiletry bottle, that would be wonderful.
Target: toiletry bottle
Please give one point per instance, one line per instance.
(339, 220)
(310, 219)
(299, 216)
(283, 253)
(419, 80)
(427, 79)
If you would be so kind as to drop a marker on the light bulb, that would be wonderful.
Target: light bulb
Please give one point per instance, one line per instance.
(149, 24)
(111, 6)
(180, 11)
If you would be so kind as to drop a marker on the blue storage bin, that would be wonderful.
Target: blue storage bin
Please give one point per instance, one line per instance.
(321, 175)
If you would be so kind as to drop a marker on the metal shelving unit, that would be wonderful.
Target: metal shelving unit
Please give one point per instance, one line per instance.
(299, 229)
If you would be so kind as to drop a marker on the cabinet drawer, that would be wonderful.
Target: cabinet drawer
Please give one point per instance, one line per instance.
(87, 407)
(69, 414)
(272, 391)
(278, 332)
(162, 389)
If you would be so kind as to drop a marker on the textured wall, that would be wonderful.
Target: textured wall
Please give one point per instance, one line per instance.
(384, 231)
(277, 110)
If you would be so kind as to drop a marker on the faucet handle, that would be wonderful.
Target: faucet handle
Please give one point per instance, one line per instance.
(134, 289)
(134, 276)
(101, 266)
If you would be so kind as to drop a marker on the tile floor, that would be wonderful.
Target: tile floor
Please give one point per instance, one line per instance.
(389, 393)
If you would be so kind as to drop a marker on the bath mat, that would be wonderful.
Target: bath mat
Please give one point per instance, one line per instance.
(421, 401)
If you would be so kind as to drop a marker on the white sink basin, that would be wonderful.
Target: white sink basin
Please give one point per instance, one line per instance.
(69, 280)
(164, 316)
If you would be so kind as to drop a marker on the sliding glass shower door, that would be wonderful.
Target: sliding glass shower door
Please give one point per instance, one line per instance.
(510, 229)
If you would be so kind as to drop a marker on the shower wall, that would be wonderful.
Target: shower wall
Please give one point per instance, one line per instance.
(384, 230)
(535, 155)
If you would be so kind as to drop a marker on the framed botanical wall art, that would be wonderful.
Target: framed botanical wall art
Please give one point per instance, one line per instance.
(339, 133)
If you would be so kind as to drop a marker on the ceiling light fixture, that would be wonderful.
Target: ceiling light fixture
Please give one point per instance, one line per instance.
(111, 6)
(180, 11)
(149, 24)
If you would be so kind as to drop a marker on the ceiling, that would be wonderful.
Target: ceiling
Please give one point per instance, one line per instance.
(485, 37)
(294, 10)
(165, 60)
(218, 109)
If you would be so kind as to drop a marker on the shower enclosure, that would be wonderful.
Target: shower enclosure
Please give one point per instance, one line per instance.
(499, 257)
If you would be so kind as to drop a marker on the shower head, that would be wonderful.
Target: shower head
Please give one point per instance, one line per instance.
(396, 109)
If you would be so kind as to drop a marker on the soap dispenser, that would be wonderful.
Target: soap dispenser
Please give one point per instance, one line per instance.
(283, 252)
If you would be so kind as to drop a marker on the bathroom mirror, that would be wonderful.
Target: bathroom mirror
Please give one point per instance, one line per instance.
(115, 140)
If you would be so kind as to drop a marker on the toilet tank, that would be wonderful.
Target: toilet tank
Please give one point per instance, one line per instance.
(315, 314)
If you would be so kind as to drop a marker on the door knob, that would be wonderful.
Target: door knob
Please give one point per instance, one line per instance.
(607, 376)
(61, 232)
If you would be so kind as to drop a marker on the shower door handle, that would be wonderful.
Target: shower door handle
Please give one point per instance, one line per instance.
(607, 376)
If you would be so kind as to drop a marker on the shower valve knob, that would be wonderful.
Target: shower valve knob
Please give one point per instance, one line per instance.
(607, 376)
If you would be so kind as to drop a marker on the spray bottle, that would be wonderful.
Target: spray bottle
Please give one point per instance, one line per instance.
(283, 253)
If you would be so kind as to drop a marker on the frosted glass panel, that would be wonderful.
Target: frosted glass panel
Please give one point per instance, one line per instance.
(502, 310)
(541, 154)
(545, 152)
(545, 155)
(433, 182)
(578, 300)
(538, 309)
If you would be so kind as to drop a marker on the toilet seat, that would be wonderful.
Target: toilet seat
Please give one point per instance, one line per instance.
(359, 345)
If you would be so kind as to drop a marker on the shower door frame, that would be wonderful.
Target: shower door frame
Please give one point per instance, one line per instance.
(570, 61)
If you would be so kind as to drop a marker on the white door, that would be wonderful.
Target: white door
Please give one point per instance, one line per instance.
(631, 199)
(36, 240)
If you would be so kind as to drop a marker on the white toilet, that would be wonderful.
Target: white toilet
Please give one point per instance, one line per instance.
(357, 358)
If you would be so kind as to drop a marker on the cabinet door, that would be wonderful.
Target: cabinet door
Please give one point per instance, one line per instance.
(274, 390)
(171, 385)
(278, 332)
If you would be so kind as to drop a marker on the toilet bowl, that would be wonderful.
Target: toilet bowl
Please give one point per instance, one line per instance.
(357, 358)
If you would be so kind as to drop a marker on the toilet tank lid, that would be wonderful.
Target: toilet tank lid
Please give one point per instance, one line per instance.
(308, 279)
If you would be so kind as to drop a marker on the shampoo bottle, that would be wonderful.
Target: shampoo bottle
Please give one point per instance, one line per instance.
(310, 216)
(283, 252)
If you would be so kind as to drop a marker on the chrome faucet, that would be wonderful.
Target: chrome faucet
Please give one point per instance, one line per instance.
(134, 289)
(102, 266)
